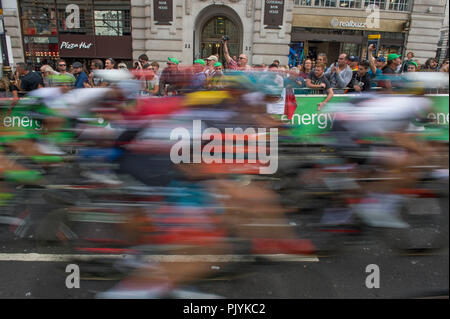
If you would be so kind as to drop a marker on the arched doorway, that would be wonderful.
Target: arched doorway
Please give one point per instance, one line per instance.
(212, 33)
(211, 24)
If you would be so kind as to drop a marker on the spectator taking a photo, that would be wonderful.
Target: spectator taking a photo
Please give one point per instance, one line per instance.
(376, 65)
(339, 74)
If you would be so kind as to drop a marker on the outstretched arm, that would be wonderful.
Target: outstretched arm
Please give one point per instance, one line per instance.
(225, 52)
(330, 94)
(372, 60)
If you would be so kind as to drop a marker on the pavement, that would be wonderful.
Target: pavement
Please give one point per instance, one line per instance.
(28, 270)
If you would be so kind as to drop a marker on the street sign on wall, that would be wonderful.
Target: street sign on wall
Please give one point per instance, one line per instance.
(273, 13)
(163, 11)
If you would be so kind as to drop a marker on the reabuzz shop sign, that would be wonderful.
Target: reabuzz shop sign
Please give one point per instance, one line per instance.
(273, 13)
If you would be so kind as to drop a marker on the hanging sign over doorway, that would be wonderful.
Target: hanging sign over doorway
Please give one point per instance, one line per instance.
(273, 13)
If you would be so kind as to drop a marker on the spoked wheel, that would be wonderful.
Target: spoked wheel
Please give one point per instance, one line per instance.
(428, 225)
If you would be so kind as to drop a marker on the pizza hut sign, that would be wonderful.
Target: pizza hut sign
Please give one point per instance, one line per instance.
(70, 45)
(77, 45)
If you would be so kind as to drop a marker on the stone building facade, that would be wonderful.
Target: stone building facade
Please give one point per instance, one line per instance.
(287, 30)
(185, 37)
(426, 21)
(443, 41)
(11, 21)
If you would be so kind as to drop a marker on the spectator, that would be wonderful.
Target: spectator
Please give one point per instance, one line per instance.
(277, 62)
(431, 65)
(168, 82)
(322, 58)
(216, 78)
(94, 81)
(353, 62)
(284, 68)
(339, 74)
(29, 80)
(419, 66)
(61, 67)
(306, 68)
(258, 67)
(412, 66)
(46, 72)
(143, 60)
(155, 66)
(231, 64)
(361, 81)
(293, 80)
(393, 61)
(7, 89)
(218, 68)
(81, 78)
(318, 81)
(445, 66)
(151, 81)
(376, 65)
(199, 78)
(279, 81)
(209, 71)
(123, 66)
(110, 64)
(408, 59)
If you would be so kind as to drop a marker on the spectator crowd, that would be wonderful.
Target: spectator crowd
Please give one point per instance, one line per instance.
(348, 74)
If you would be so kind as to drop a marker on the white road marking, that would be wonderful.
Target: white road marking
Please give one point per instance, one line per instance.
(157, 258)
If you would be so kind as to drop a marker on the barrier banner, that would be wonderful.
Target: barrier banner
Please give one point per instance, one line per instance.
(309, 123)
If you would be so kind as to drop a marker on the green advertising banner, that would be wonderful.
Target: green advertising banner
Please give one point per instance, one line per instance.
(308, 123)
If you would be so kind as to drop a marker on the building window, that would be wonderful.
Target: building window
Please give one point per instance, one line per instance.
(351, 49)
(38, 17)
(349, 4)
(112, 17)
(379, 3)
(304, 3)
(398, 5)
(325, 3)
(108, 22)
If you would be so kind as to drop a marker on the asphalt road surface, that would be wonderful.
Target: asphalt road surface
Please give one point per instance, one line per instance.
(29, 272)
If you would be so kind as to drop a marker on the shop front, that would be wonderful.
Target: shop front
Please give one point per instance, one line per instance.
(75, 30)
(332, 35)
